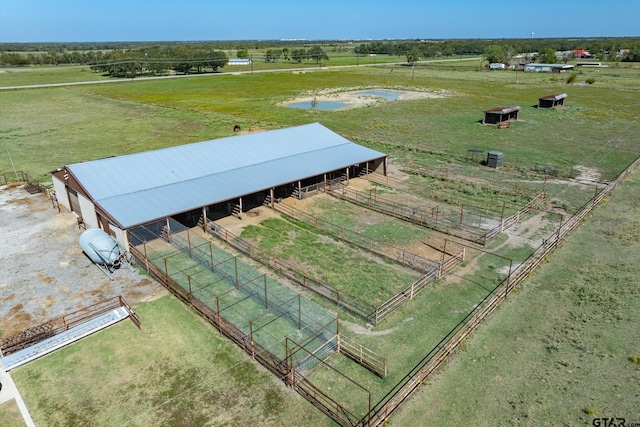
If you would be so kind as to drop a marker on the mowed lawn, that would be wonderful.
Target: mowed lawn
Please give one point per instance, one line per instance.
(177, 371)
(564, 349)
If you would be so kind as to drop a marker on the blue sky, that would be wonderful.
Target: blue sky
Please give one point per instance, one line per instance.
(191, 20)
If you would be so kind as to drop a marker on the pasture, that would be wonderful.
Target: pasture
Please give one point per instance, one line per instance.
(597, 131)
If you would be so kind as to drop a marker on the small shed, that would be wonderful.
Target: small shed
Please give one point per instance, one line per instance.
(500, 114)
(551, 101)
(494, 159)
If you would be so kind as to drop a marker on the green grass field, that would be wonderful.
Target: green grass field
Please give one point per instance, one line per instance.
(43, 129)
(564, 349)
(177, 371)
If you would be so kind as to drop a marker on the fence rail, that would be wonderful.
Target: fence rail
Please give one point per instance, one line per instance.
(429, 219)
(379, 247)
(60, 324)
(362, 355)
(410, 383)
(342, 299)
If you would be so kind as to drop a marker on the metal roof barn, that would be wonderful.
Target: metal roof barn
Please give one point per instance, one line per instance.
(139, 188)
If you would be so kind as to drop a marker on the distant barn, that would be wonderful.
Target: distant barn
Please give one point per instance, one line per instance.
(551, 101)
(500, 114)
(548, 68)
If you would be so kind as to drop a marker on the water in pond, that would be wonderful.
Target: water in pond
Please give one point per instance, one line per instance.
(389, 95)
(320, 105)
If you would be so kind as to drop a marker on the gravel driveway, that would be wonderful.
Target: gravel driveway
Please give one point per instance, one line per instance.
(44, 273)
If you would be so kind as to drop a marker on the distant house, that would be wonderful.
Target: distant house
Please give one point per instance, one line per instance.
(518, 64)
(500, 114)
(548, 68)
(623, 52)
(240, 61)
(551, 101)
(581, 53)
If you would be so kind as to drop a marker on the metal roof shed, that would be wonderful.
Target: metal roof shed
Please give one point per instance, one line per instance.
(551, 101)
(500, 114)
(138, 188)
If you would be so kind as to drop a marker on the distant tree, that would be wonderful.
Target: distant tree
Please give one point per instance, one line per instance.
(413, 56)
(494, 53)
(547, 56)
(298, 55)
(317, 54)
(242, 53)
(216, 59)
(272, 55)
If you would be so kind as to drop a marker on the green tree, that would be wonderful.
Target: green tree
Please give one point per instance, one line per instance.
(242, 53)
(547, 56)
(272, 55)
(413, 56)
(297, 55)
(317, 54)
(494, 53)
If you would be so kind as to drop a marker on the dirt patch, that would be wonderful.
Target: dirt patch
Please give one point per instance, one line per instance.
(354, 98)
(43, 272)
(587, 175)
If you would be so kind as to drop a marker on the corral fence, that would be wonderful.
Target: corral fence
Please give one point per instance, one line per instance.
(468, 218)
(449, 344)
(36, 334)
(506, 223)
(399, 255)
(425, 218)
(340, 298)
(299, 359)
(32, 186)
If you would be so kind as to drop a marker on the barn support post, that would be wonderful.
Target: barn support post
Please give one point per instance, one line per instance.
(204, 219)
(189, 243)
(146, 259)
(366, 170)
(347, 171)
(240, 212)
(384, 163)
(299, 188)
(272, 197)
(324, 180)
(168, 230)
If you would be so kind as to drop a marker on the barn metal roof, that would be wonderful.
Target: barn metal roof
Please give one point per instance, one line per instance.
(138, 188)
(503, 110)
(554, 97)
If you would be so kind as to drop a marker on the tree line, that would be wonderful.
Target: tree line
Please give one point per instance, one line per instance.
(127, 59)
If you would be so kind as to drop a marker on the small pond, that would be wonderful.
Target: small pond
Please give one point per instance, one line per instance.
(389, 95)
(320, 105)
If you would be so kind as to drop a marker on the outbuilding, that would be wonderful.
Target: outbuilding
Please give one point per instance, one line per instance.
(548, 68)
(551, 101)
(500, 115)
(209, 179)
